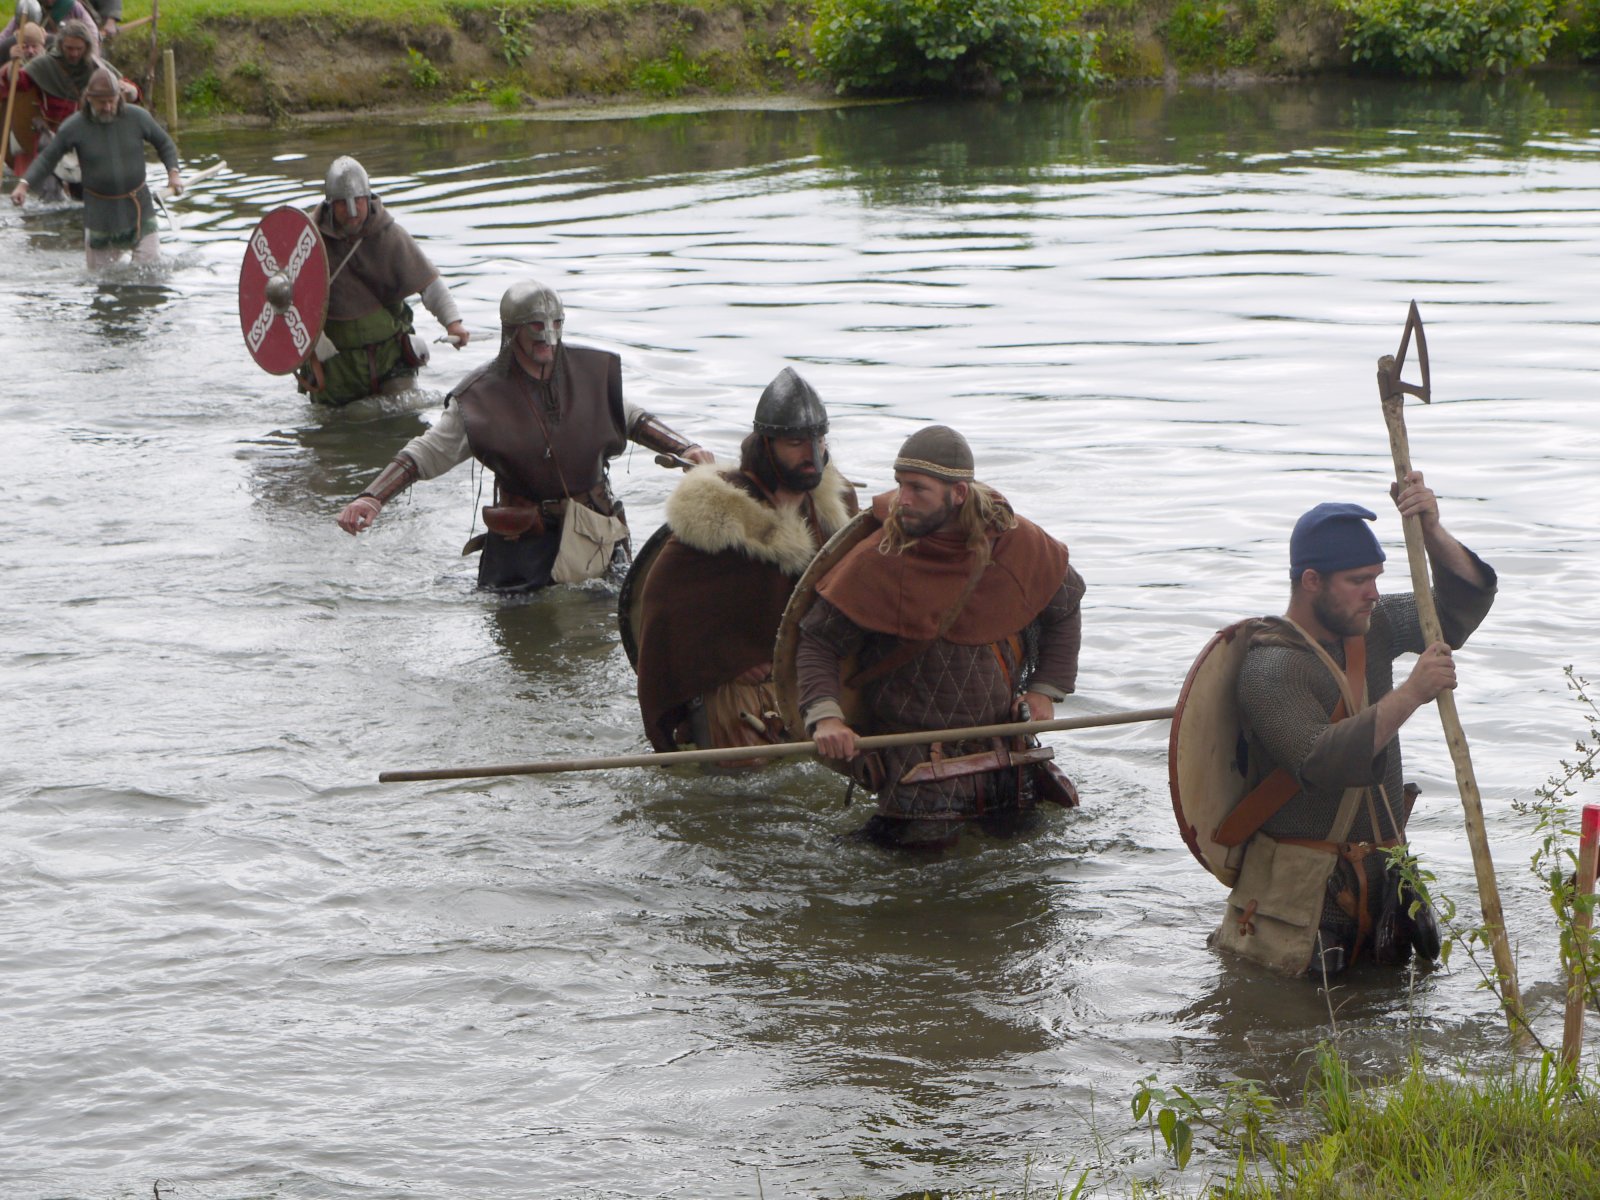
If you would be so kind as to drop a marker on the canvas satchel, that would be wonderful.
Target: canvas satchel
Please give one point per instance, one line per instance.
(1275, 908)
(588, 539)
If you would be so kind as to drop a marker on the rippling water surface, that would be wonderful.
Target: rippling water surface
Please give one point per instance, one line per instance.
(235, 965)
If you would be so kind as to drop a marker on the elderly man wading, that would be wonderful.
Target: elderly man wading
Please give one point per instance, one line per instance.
(959, 612)
(109, 134)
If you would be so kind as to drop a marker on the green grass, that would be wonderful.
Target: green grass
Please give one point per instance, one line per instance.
(1528, 1133)
(180, 20)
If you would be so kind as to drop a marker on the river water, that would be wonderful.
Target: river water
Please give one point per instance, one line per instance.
(236, 966)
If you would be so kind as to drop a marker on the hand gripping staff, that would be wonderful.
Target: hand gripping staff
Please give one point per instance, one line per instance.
(1392, 391)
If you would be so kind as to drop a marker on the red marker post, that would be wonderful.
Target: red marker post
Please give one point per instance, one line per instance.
(1582, 918)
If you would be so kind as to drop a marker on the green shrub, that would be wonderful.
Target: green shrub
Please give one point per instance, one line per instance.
(1449, 37)
(1583, 31)
(204, 94)
(512, 28)
(1197, 34)
(667, 77)
(424, 76)
(506, 98)
(912, 45)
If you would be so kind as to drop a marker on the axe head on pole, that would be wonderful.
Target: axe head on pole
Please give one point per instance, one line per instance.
(1396, 388)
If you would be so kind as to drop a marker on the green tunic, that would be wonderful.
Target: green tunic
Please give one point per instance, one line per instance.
(117, 206)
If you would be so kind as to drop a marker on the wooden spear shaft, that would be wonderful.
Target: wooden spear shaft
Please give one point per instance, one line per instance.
(1466, 781)
(11, 101)
(728, 754)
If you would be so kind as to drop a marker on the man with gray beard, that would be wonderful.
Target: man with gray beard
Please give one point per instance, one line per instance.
(109, 135)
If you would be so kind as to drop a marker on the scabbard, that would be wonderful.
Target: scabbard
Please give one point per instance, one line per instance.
(976, 764)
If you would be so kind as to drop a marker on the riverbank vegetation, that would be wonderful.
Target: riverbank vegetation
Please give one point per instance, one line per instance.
(274, 58)
(1500, 1128)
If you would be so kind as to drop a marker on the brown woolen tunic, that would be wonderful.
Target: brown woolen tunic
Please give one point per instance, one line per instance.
(951, 683)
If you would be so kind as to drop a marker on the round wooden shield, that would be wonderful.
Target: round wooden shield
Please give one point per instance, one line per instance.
(630, 602)
(283, 290)
(784, 677)
(1205, 754)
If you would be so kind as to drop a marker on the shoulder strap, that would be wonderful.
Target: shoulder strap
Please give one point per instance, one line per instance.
(1263, 801)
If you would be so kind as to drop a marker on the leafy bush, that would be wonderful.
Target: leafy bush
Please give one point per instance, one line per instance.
(671, 76)
(1449, 37)
(204, 95)
(1583, 31)
(910, 45)
(421, 73)
(1197, 34)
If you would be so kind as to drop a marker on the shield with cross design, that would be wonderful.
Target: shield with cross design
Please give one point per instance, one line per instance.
(283, 290)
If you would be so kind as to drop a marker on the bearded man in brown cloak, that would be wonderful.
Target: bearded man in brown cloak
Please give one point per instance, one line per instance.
(959, 613)
(546, 418)
(716, 591)
(369, 345)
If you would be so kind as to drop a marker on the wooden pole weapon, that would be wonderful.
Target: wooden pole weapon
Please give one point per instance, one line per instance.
(1392, 391)
(727, 754)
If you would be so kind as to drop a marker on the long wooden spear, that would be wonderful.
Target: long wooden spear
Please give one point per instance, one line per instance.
(728, 754)
(1392, 391)
(11, 103)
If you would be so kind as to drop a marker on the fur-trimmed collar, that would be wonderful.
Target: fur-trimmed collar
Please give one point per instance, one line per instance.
(711, 514)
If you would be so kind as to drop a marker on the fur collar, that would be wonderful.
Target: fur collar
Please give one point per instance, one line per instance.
(709, 513)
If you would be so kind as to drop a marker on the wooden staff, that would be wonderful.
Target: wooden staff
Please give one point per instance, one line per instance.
(11, 102)
(1392, 391)
(725, 754)
(215, 168)
(1582, 922)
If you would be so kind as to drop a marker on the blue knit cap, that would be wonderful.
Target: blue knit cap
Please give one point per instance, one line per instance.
(1333, 537)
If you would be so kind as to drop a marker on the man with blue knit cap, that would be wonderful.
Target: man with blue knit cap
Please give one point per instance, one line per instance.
(1322, 715)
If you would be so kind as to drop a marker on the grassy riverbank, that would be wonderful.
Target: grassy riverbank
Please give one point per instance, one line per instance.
(1525, 1132)
(276, 58)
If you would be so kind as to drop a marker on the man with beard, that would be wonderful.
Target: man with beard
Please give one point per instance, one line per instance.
(1317, 699)
(715, 592)
(109, 136)
(51, 16)
(369, 346)
(546, 417)
(957, 610)
(20, 137)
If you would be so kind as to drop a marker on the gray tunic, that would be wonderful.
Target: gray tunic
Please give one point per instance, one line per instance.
(1286, 694)
(117, 206)
(1285, 697)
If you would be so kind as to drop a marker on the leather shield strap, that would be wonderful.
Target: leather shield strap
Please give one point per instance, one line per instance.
(1263, 801)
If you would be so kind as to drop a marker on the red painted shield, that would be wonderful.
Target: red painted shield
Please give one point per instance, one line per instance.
(283, 290)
